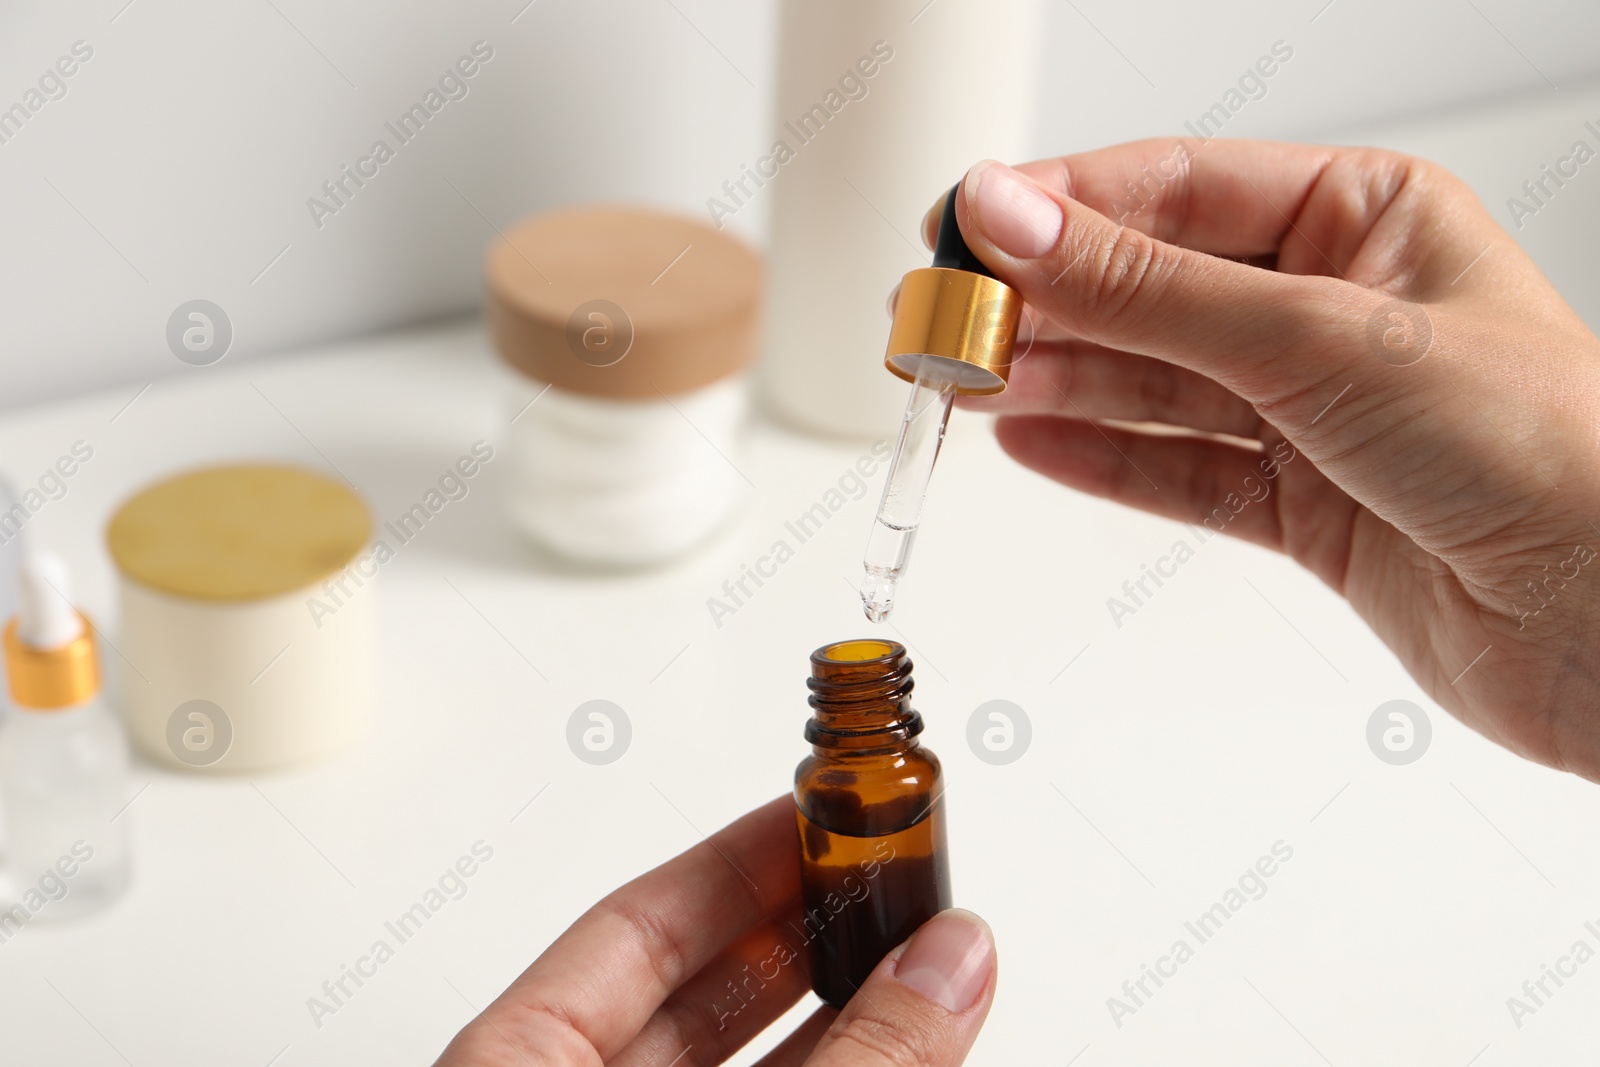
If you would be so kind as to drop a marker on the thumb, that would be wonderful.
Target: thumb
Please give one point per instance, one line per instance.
(1270, 337)
(923, 1004)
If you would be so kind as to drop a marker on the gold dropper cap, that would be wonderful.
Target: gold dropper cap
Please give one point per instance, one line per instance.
(957, 313)
(49, 679)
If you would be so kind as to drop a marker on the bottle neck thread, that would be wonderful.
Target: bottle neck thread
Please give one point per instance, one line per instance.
(861, 696)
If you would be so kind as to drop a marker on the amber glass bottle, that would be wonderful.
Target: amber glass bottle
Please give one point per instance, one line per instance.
(869, 800)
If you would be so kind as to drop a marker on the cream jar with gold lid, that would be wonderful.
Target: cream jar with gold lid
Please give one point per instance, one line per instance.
(246, 617)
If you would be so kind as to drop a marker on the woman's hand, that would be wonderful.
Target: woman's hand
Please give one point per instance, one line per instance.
(1445, 400)
(685, 964)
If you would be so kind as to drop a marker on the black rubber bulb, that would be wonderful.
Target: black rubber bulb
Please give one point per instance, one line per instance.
(949, 247)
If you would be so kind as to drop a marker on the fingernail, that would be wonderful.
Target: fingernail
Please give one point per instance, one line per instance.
(1011, 211)
(949, 960)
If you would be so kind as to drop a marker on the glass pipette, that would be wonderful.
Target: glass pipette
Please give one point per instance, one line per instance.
(900, 509)
(953, 332)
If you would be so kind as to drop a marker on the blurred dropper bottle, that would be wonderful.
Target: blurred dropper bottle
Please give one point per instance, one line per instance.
(63, 756)
(10, 561)
(954, 332)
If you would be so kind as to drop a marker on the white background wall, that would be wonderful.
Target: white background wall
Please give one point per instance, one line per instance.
(179, 162)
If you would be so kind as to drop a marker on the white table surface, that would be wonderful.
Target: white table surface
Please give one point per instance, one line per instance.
(1228, 714)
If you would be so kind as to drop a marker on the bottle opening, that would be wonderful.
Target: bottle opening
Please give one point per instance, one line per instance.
(857, 651)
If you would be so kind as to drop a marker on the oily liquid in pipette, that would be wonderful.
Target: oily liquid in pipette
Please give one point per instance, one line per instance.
(894, 528)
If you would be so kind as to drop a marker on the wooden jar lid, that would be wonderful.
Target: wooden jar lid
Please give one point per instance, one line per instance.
(623, 303)
(238, 532)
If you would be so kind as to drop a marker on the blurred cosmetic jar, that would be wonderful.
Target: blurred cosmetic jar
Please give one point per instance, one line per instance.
(246, 617)
(629, 332)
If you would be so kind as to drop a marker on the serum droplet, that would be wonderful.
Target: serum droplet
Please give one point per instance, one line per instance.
(877, 598)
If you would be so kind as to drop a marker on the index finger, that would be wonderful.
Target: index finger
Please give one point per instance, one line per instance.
(602, 979)
(1222, 197)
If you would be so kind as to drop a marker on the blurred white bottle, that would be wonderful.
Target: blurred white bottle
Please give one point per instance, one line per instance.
(882, 107)
(63, 757)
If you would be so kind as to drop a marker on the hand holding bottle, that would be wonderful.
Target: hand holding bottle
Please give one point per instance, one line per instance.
(698, 956)
(1445, 399)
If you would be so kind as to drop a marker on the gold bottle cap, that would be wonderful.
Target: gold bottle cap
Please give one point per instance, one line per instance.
(241, 532)
(957, 314)
(965, 321)
(47, 679)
